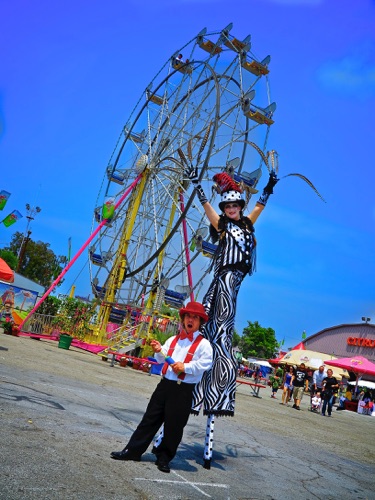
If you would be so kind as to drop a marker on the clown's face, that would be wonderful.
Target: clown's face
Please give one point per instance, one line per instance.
(232, 210)
(191, 322)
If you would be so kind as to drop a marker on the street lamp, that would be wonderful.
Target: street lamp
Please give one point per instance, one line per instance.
(365, 319)
(30, 215)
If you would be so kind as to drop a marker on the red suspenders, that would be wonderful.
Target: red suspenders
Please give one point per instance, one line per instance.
(188, 357)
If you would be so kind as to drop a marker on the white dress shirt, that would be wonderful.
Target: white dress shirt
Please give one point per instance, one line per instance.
(202, 358)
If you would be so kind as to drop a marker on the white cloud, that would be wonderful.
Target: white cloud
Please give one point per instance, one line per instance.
(353, 74)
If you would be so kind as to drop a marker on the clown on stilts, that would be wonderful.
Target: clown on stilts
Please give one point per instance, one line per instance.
(234, 259)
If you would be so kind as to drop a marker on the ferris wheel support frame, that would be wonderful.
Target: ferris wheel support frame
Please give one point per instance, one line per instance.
(84, 246)
(118, 271)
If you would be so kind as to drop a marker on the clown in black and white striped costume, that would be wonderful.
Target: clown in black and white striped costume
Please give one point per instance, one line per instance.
(234, 259)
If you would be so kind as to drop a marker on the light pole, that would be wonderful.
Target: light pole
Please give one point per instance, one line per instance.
(31, 213)
(365, 319)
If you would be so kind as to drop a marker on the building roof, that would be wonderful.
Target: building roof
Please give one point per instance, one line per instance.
(27, 284)
(344, 328)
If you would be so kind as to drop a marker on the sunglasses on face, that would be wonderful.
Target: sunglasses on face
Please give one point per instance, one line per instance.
(231, 205)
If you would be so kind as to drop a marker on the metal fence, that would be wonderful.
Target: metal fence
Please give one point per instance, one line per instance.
(41, 324)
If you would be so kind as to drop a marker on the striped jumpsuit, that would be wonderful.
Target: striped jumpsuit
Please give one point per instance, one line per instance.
(234, 259)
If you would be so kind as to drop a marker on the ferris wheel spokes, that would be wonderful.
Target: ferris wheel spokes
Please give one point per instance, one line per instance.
(190, 113)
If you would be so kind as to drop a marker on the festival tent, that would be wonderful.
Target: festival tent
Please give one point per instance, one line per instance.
(262, 363)
(275, 361)
(364, 383)
(312, 360)
(357, 364)
(6, 274)
(265, 367)
(301, 345)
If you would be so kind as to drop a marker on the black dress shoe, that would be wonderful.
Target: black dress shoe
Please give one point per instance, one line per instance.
(125, 455)
(207, 463)
(163, 466)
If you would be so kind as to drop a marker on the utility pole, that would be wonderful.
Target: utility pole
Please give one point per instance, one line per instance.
(22, 251)
(31, 212)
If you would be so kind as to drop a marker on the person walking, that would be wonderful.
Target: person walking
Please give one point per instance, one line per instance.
(287, 386)
(276, 381)
(186, 357)
(298, 382)
(318, 377)
(330, 388)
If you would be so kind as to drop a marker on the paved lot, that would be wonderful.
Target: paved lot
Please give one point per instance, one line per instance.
(63, 411)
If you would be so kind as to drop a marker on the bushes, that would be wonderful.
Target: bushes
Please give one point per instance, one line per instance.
(75, 316)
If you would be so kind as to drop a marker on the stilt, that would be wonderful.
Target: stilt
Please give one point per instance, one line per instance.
(157, 440)
(209, 442)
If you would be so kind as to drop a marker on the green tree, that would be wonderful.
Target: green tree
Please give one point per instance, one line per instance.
(236, 339)
(9, 257)
(258, 341)
(50, 306)
(39, 263)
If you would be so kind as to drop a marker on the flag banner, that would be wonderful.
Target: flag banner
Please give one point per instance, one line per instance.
(12, 218)
(108, 208)
(4, 196)
(69, 248)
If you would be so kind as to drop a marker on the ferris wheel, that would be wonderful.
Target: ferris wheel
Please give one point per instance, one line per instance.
(208, 105)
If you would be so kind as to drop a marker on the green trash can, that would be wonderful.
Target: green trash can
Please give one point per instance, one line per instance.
(65, 341)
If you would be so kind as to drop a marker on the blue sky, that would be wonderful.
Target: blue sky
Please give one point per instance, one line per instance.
(72, 72)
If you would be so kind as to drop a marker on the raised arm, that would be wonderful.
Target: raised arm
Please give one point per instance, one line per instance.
(212, 215)
(261, 203)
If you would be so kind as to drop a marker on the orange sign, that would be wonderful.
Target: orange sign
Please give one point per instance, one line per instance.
(360, 342)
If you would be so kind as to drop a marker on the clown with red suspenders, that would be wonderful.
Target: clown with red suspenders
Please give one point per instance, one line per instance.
(186, 357)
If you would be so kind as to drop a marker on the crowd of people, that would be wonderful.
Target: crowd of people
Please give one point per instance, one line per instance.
(322, 387)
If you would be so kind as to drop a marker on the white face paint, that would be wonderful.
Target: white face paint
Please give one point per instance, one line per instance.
(232, 211)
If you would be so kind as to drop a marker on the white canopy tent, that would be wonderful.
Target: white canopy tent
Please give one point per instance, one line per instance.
(312, 361)
(364, 383)
(262, 363)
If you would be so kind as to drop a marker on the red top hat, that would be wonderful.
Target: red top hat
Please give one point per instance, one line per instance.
(194, 308)
(229, 190)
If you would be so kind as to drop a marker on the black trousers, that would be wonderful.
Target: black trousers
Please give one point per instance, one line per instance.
(170, 404)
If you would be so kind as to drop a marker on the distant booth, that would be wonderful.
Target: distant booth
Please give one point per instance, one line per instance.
(19, 298)
(343, 341)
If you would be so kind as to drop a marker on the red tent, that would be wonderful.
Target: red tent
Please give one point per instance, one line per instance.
(275, 361)
(6, 274)
(301, 345)
(357, 364)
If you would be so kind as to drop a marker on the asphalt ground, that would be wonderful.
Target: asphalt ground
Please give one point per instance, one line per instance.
(63, 411)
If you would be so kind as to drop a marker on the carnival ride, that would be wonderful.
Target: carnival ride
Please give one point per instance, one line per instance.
(212, 109)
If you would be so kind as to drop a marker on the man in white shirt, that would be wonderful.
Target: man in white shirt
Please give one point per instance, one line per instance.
(187, 356)
(318, 377)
